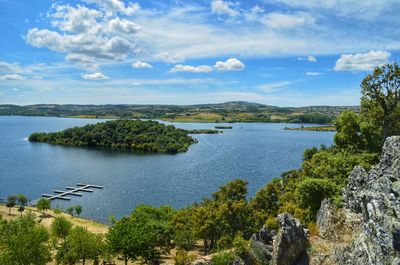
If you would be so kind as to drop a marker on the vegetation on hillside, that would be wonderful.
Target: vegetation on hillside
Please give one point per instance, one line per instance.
(134, 135)
(223, 112)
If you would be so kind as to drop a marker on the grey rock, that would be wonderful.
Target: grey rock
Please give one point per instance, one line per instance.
(329, 220)
(238, 261)
(261, 245)
(374, 195)
(290, 244)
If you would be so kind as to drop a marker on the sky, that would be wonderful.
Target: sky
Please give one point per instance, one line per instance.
(276, 52)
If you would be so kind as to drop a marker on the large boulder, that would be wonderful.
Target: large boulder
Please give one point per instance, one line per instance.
(261, 245)
(290, 244)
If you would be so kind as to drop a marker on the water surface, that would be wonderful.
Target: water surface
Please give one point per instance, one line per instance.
(256, 152)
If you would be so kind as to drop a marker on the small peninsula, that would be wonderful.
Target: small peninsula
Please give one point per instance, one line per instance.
(132, 135)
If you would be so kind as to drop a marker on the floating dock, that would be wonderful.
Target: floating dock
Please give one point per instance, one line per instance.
(71, 191)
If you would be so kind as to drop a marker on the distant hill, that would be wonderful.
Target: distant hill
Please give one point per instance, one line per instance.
(235, 111)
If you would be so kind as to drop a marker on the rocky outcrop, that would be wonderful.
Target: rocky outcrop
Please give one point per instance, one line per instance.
(286, 247)
(290, 244)
(372, 206)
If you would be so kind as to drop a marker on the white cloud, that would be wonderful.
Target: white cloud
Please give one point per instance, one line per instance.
(115, 6)
(272, 87)
(95, 76)
(90, 46)
(168, 58)
(313, 73)
(309, 58)
(87, 35)
(254, 31)
(123, 26)
(254, 13)
(75, 19)
(277, 20)
(221, 7)
(10, 67)
(361, 61)
(12, 77)
(232, 64)
(141, 65)
(192, 69)
(366, 10)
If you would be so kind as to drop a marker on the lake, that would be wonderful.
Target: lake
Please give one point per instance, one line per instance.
(256, 152)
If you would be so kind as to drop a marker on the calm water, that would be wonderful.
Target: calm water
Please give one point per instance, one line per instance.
(255, 152)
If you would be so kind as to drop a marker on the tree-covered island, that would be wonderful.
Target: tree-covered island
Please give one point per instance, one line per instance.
(132, 135)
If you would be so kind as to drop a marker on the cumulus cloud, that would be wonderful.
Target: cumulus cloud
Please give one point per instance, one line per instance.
(361, 61)
(12, 77)
(95, 76)
(232, 64)
(87, 35)
(313, 73)
(78, 19)
(221, 7)
(141, 65)
(123, 26)
(309, 58)
(192, 69)
(90, 46)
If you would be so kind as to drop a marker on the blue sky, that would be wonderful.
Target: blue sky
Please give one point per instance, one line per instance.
(277, 52)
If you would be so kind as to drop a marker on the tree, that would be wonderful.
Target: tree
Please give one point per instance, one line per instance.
(24, 242)
(380, 100)
(80, 245)
(11, 202)
(308, 153)
(70, 210)
(78, 209)
(60, 227)
(267, 201)
(22, 201)
(118, 240)
(348, 128)
(141, 234)
(43, 205)
(234, 190)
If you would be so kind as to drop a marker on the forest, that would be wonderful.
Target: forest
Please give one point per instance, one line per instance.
(227, 218)
(132, 135)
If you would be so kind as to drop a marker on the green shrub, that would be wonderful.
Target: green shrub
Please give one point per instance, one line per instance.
(222, 258)
(311, 192)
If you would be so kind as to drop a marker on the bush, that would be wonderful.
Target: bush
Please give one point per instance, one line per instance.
(222, 258)
(182, 257)
(311, 192)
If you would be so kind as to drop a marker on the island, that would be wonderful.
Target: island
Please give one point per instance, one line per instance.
(131, 135)
(203, 131)
(322, 128)
(223, 127)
